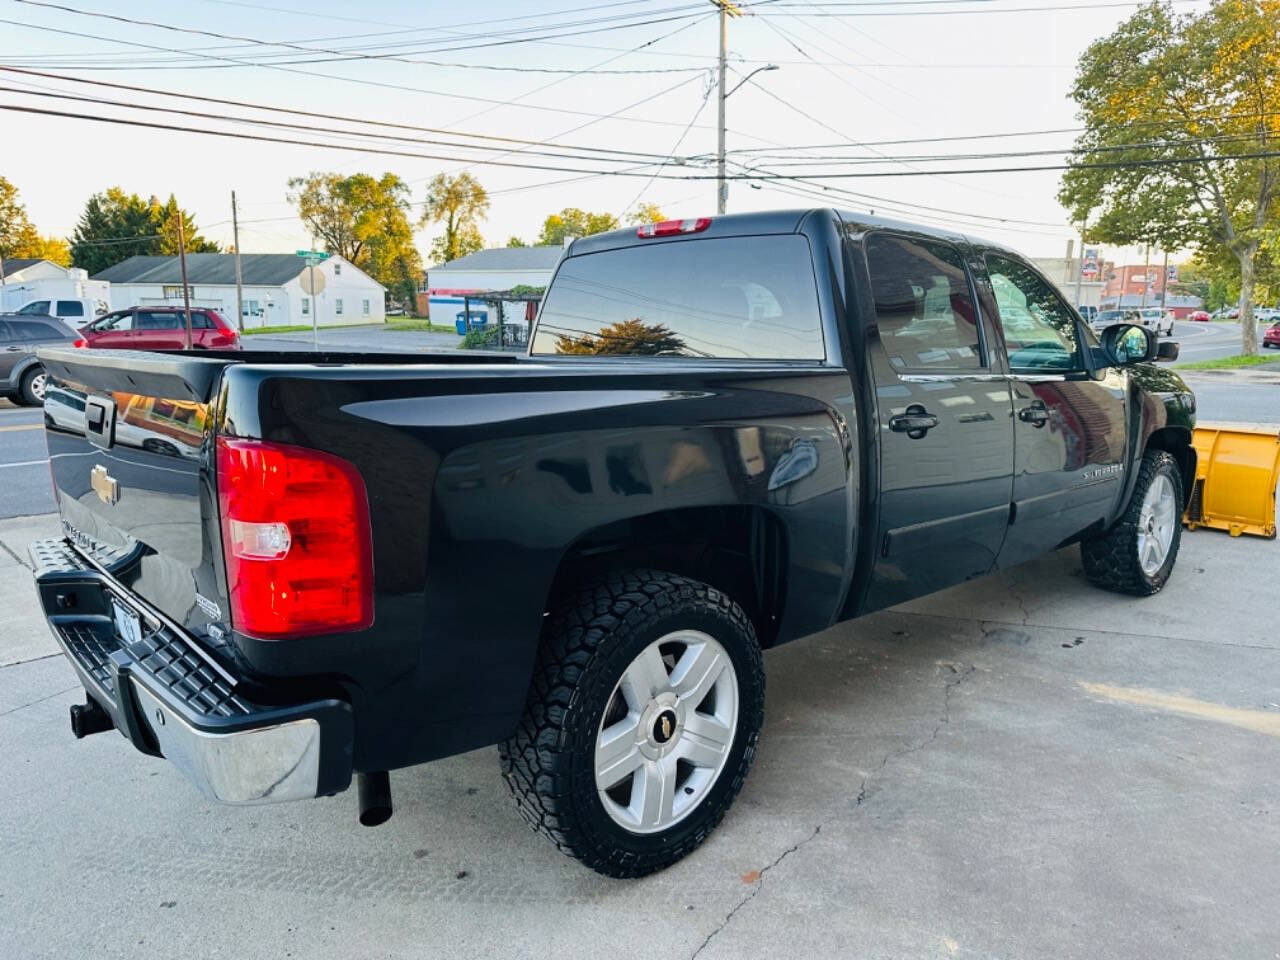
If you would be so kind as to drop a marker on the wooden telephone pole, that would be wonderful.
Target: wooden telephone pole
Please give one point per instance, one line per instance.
(186, 292)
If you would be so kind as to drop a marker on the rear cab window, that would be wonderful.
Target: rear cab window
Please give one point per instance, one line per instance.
(70, 308)
(719, 297)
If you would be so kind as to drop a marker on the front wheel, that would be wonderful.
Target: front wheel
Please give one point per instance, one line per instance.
(641, 722)
(1137, 554)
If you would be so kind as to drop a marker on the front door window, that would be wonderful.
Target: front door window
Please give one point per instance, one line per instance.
(1039, 329)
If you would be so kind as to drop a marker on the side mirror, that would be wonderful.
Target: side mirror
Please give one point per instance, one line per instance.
(1128, 343)
(1168, 350)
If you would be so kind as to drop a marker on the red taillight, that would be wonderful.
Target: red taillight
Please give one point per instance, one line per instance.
(80, 342)
(669, 228)
(295, 533)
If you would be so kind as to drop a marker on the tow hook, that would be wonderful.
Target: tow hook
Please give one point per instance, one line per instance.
(89, 717)
(374, 790)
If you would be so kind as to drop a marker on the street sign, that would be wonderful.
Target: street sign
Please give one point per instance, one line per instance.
(316, 255)
(1089, 268)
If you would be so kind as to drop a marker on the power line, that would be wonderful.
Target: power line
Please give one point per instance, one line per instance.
(1155, 162)
(317, 115)
(300, 127)
(361, 82)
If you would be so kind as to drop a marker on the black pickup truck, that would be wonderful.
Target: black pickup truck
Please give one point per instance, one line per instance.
(280, 571)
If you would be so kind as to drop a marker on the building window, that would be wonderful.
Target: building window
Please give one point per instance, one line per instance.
(364, 307)
(337, 307)
(306, 307)
(252, 308)
(173, 291)
(337, 269)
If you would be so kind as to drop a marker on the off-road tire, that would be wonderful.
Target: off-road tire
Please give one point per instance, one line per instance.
(589, 639)
(1111, 560)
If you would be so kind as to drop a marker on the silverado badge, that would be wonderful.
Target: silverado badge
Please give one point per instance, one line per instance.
(104, 485)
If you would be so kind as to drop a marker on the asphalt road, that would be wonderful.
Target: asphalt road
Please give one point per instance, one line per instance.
(371, 338)
(1209, 341)
(1022, 767)
(24, 462)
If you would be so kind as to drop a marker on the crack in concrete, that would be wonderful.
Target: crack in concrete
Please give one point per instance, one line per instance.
(945, 720)
(39, 700)
(9, 550)
(1106, 633)
(1022, 604)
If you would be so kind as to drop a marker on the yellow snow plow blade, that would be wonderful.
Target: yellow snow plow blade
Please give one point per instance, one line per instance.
(1237, 468)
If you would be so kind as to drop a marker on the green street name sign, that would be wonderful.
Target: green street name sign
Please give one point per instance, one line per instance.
(316, 255)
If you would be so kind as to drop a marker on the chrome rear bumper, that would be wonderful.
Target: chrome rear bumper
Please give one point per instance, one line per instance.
(169, 698)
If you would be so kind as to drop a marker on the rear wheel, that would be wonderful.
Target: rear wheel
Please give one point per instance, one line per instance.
(1137, 554)
(641, 722)
(33, 385)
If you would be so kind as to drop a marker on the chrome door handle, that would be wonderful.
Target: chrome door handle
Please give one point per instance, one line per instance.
(1036, 414)
(915, 422)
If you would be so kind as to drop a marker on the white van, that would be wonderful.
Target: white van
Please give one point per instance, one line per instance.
(76, 311)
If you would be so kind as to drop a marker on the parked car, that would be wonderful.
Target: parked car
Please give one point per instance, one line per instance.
(1271, 336)
(1088, 312)
(1265, 314)
(162, 328)
(1106, 318)
(76, 311)
(1156, 319)
(22, 376)
(1199, 316)
(705, 452)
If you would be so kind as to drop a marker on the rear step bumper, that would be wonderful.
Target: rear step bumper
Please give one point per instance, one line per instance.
(171, 699)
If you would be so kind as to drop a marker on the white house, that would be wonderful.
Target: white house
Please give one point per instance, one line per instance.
(271, 282)
(499, 269)
(26, 280)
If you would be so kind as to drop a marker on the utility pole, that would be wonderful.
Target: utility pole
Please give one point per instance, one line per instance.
(1164, 280)
(1146, 276)
(235, 238)
(727, 10)
(186, 291)
(1080, 268)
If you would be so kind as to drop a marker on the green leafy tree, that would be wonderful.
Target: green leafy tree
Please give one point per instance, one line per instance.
(459, 203)
(572, 222)
(516, 242)
(624, 337)
(646, 213)
(166, 217)
(19, 237)
(116, 226)
(365, 220)
(1176, 110)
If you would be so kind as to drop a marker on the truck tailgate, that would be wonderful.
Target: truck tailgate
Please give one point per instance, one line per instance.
(129, 437)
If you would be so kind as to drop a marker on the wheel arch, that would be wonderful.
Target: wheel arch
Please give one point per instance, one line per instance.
(1175, 440)
(740, 549)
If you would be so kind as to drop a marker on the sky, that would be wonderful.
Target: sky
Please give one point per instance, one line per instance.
(850, 75)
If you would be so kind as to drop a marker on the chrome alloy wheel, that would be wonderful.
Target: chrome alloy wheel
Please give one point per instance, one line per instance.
(38, 384)
(666, 732)
(1156, 524)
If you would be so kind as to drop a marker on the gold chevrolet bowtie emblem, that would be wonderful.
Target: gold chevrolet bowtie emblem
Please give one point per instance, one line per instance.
(666, 727)
(104, 485)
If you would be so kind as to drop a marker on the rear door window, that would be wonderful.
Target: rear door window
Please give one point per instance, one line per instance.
(158, 320)
(70, 308)
(924, 308)
(727, 298)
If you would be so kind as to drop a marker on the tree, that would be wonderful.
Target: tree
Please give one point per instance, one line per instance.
(646, 213)
(116, 226)
(516, 242)
(166, 217)
(624, 337)
(19, 237)
(1176, 110)
(460, 203)
(365, 220)
(572, 222)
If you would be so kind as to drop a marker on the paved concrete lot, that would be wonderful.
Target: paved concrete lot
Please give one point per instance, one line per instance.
(1019, 767)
